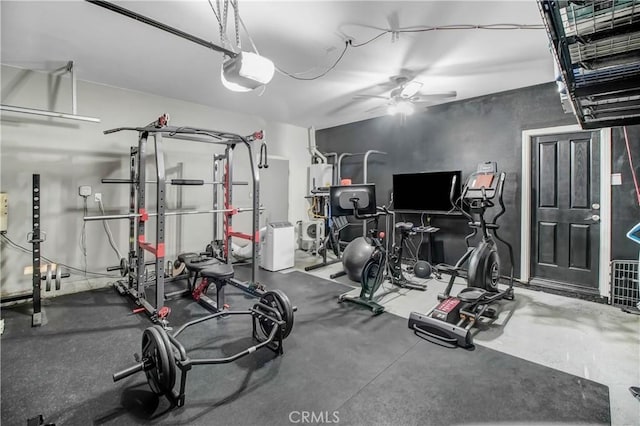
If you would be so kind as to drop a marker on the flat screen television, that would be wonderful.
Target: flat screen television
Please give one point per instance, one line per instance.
(425, 192)
(340, 199)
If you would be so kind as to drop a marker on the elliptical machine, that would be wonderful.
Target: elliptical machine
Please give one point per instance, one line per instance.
(450, 322)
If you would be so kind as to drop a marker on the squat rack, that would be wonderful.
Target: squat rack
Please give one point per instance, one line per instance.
(138, 214)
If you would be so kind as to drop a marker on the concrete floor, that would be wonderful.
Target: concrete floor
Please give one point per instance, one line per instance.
(587, 339)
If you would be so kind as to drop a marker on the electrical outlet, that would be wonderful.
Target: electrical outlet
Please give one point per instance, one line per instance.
(84, 190)
(98, 197)
(4, 211)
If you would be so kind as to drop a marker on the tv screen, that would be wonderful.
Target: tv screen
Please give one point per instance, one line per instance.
(341, 199)
(425, 192)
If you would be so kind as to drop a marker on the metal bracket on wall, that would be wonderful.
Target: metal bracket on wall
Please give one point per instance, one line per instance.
(68, 68)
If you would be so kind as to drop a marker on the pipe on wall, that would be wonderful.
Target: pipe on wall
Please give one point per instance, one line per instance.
(313, 149)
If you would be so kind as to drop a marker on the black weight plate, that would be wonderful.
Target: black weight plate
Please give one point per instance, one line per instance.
(288, 311)
(155, 353)
(58, 277)
(278, 300)
(124, 267)
(170, 354)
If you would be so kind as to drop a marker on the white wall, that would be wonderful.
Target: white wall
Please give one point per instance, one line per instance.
(68, 154)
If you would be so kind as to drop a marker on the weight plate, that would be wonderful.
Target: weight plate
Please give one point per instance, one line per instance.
(278, 300)
(58, 277)
(156, 355)
(48, 281)
(170, 354)
(124, 267)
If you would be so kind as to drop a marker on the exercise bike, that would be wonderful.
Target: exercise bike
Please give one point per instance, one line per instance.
(381, 264)
(450, 322)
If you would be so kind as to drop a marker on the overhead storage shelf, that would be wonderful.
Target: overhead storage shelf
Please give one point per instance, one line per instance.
(597, 47)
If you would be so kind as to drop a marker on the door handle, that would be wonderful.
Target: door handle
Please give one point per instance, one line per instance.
(593, 217)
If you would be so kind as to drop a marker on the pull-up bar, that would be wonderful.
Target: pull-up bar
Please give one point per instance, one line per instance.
(224, 138)
(187, 182)
(365, 161)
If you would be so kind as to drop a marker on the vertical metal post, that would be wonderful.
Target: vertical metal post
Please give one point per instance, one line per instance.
(216, 178)
(140, 205)
(365, 178)
(256, 218)
(339, 172)
(228, 190)
(179, 219)
(35, 240)
(133, 153)
(160, 220)
(74, 99)
(366, 160)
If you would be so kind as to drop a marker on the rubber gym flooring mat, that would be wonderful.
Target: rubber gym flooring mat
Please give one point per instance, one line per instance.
(340, 365)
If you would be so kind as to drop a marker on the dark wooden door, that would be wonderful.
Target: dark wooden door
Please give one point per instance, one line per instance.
(565, 210)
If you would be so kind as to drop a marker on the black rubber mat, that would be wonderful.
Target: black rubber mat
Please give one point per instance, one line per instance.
(340, 366)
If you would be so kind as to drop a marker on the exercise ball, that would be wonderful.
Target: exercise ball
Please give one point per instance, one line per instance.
(354, 257)
(422, 269)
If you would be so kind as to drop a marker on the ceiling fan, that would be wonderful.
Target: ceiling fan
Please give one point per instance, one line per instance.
(405, 95)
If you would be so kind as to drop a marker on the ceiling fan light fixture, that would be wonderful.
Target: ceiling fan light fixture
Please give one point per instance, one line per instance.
(402, 107)
(246, 71)
(406, 108)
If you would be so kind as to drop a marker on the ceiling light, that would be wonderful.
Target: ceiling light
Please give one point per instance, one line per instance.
(246, 71)
(406, 108)
(402, 107)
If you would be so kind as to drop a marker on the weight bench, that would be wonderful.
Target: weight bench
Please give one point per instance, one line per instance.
(211, 270)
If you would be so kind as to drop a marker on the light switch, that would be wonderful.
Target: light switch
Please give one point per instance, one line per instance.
(616, 179)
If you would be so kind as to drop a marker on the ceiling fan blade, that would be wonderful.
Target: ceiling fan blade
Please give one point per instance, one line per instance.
(369, 97)
(435, 96)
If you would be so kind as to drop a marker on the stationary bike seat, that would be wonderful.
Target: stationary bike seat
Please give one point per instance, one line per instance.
(404, 226)
(471, 294)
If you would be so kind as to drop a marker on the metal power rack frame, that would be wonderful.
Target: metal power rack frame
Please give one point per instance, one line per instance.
(138, 214)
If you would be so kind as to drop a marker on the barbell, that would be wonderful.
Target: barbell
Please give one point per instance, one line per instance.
(168, 213)
(163, 354)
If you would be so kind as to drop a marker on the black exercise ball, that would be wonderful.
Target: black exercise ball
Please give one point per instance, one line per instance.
(354, 257)
(422, 269)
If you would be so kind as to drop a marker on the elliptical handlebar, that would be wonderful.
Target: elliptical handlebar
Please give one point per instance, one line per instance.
(454, 202)
(503, 209)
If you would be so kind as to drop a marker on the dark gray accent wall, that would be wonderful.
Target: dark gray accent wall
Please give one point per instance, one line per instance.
(453, 136)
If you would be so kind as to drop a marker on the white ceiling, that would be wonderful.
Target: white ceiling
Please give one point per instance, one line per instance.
(298, 35)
